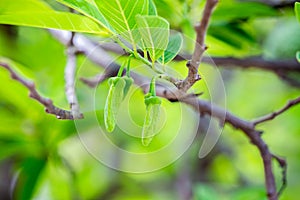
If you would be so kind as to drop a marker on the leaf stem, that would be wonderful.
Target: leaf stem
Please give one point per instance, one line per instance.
(136, 55)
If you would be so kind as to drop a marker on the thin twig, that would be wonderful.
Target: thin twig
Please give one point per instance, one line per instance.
(70, 72)
(199, 48)
(33, 93)
(290, 65)
(273, 115)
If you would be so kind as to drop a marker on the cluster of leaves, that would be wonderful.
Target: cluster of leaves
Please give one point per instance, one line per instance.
(132, 24)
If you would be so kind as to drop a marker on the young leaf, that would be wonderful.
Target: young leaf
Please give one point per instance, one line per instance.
(297, 10)
(174, 46)
(113, 101)
(88, 10)
(120, 14)
(152, 8)
(155, 34)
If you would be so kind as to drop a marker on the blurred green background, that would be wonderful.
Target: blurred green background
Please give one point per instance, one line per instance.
(43, 158)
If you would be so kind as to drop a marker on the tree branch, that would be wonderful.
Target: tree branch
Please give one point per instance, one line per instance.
(290, 65)
(70, 72)
(284, 66)
(275, 114)
(203, 107)
(199, 48)
(249, 130)
(33, 93)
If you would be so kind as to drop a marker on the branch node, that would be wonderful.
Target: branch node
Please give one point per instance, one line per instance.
(200, 47)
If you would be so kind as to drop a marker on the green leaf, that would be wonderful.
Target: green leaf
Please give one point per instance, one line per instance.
(37, 14)
(152, 8)
(297, 10)
(54, 20)
(120, 14)
(298, 56)
(30, 172)
(88, 10)
(174, 46)
(10, 7)
(155, 34)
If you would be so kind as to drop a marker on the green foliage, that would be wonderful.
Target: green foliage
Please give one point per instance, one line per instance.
(155, 34)
(242, 10)
(152, 8)
(30, 171)
(121, 16)
(51, 161)
(297, 10)
(205, 192)
(298, 56)
(232, 34)
(173, 48)
(42, 16)
(89, 10)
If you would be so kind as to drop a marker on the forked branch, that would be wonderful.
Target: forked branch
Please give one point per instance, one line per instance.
(275, 114)
(199, 48)
(70, 72)
(34, 94)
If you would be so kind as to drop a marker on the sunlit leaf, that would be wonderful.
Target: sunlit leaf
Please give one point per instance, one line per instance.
(174, 46)
(121, 16)
(10, 7)
(38, 14)
(298, 56)
(155, 34)
(87, 9)
(55, 20)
